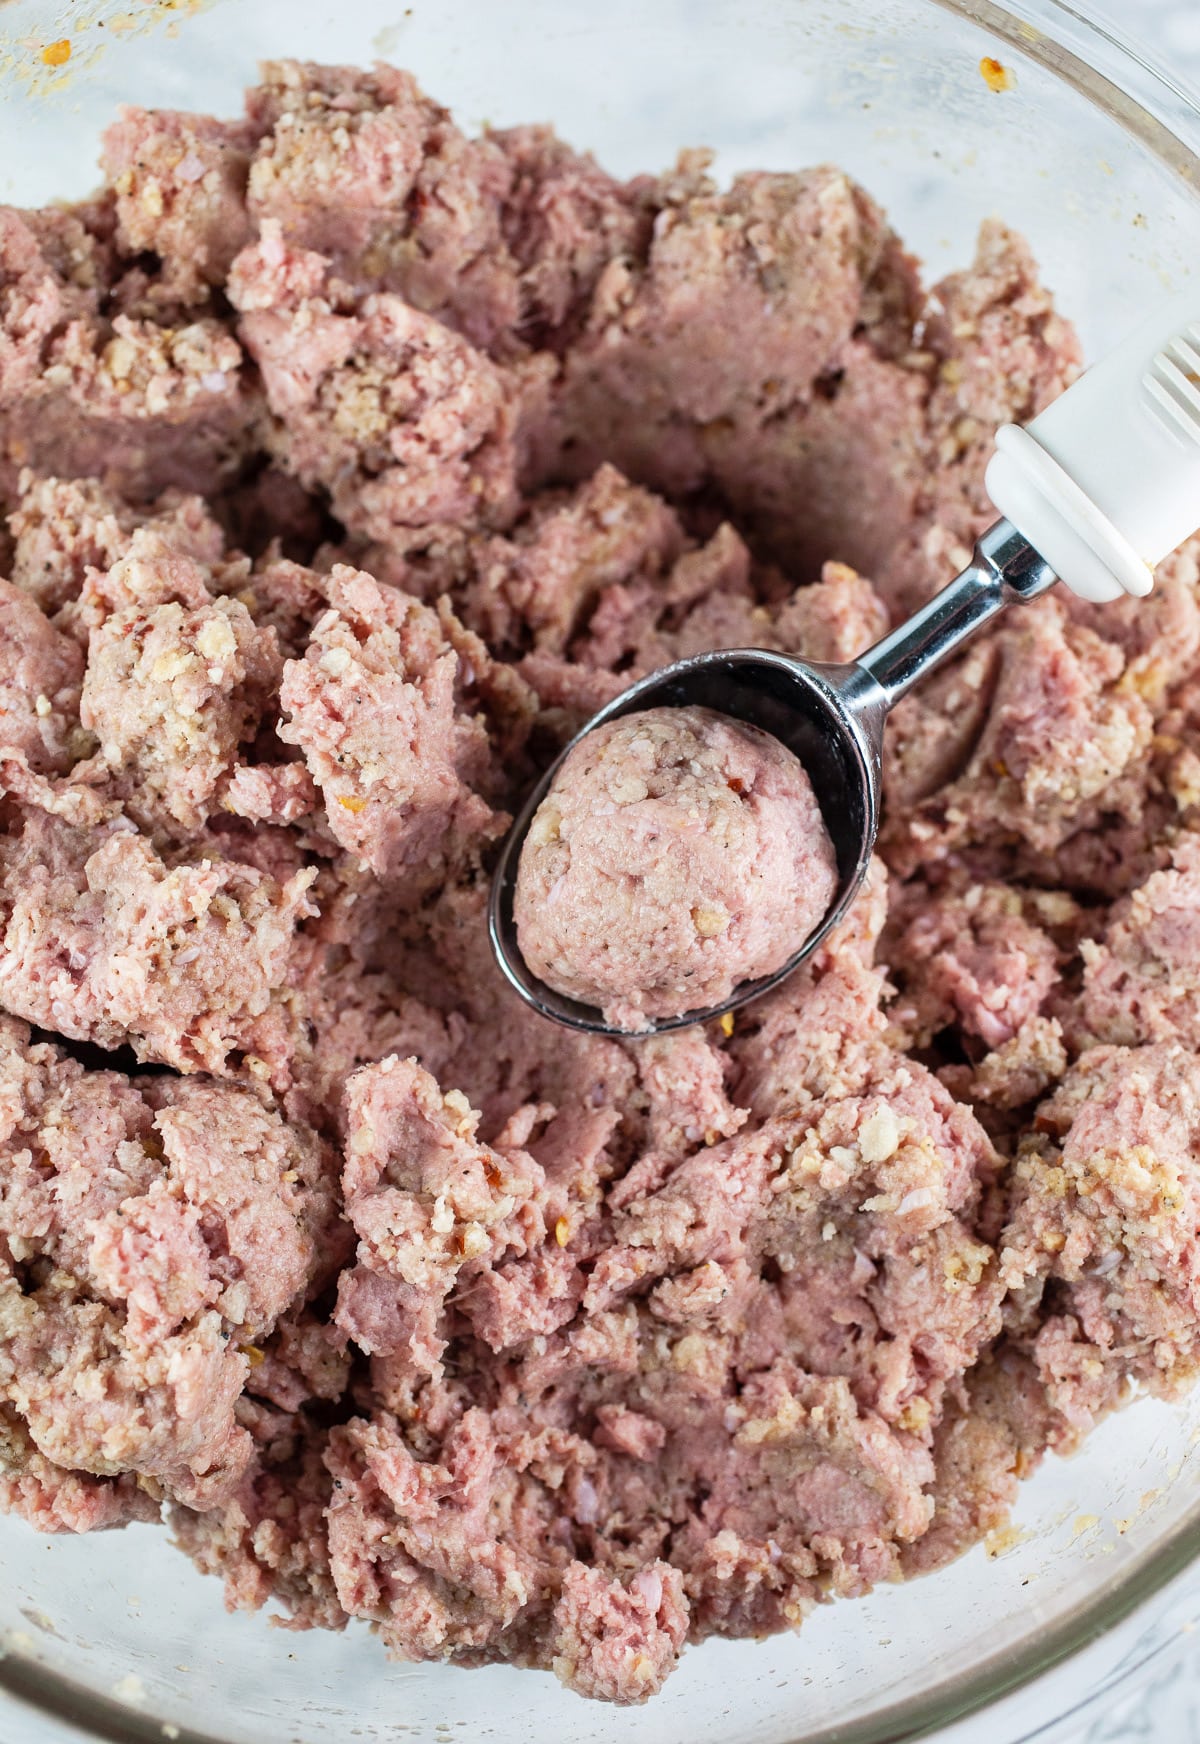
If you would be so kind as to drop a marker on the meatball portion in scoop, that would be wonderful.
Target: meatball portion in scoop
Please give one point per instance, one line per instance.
(677, 854)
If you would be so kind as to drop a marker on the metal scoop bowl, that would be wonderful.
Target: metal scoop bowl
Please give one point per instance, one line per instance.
(831, 717)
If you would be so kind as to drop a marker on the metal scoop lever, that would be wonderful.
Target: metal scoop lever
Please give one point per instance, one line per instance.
(1094, 492)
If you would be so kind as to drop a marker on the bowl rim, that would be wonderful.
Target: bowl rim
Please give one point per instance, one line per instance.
(1116, 74)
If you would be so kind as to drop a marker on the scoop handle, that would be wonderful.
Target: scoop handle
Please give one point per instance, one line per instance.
(1106, 481)
(1003, 570)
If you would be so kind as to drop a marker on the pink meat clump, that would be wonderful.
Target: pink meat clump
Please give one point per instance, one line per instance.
(616, 1641)
(175, 680)
(366, 170)
(677, 855)
(1141, 978)
(150, 1233)
(140, 400)
(41, 671)
(348, 463)
(180, 185)
(1103, 1208)
(372, 706)
(430, 1205)
(104, 942)
(409, 428)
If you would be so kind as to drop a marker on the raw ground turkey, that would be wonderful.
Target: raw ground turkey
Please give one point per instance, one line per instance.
(348, 463)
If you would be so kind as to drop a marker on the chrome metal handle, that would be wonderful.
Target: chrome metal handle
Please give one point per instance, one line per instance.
(1004, 568)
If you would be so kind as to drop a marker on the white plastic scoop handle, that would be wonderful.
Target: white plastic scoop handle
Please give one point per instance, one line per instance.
(1106, 481)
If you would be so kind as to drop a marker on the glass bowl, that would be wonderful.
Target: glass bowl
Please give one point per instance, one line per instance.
(1092, 154)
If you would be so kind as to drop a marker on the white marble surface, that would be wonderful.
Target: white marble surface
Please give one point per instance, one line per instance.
(1166, 1712)
(1169, 27)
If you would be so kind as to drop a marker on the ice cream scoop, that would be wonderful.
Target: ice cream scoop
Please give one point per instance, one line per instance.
(1093, 492)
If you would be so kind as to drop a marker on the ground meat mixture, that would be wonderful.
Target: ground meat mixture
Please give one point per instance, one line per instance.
(347, 463)
(678, 854)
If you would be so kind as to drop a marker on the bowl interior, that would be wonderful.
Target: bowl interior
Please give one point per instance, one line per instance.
(118, 1631)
